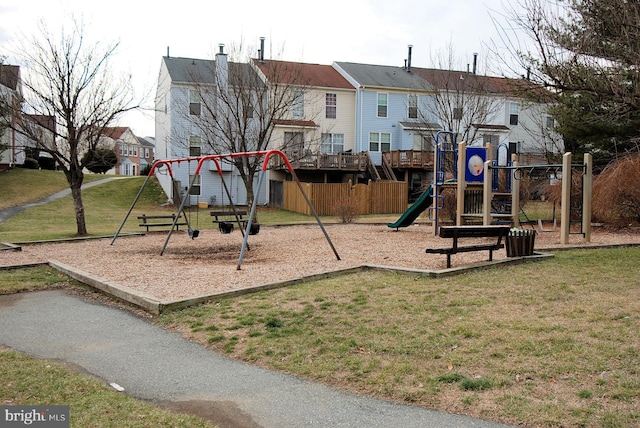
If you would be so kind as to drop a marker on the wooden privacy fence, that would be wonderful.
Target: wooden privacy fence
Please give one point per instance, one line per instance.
(380, 197)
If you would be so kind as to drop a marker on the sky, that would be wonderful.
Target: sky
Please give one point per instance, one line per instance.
(362, 31)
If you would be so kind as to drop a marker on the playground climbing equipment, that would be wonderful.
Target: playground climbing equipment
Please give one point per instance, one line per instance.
(582, 208)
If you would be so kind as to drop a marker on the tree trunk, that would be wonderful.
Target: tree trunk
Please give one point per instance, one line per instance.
(75, 179)
(248, 183)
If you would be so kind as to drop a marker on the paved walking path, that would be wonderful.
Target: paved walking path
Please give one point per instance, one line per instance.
(153, 364)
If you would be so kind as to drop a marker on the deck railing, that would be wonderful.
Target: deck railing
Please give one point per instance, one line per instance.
(409, 158)
(324, 161)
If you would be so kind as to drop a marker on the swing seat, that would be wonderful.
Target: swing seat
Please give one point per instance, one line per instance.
(225, 227)
(254, 229)
(194, 233)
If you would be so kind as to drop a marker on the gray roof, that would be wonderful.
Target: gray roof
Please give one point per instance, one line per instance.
(193, 70)
(145, 142)
(385, 76)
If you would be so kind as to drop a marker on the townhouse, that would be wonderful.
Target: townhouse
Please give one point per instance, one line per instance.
(350, 121)
(134, 153)
(16, 148)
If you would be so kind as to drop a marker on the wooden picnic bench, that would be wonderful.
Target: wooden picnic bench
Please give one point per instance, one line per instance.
(226, 220)
(161, 221)
(458, 232)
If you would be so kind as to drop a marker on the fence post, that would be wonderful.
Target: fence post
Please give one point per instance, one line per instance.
(587, 186)
(515, 192)
(565, 205)
(486, 195)
(461, 185)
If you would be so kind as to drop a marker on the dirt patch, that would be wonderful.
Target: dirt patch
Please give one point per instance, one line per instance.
(221, 413)
(208, 264)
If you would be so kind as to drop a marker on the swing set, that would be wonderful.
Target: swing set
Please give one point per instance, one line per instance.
(216, 159)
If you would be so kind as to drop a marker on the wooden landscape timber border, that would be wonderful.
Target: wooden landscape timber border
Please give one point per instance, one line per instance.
(156, 306)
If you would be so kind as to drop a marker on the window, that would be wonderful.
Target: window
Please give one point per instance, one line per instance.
(247, 109)
(120, 149)
(332, 143)
(298, 104)
(126, 150)
(490, 138)
(551, 123)
(195, 145)
(195, 187)
(331, 106)
(194, 103)
(379, 142)
(457, 113)
(146, 153)
(422, 143)
(382, 104)
(135, 150)
(294, 142)
(413, 107)
(514, 111)
(514, 147)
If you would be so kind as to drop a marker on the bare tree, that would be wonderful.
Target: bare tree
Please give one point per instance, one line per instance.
(241, 103)
(462, 101)
(70, 80)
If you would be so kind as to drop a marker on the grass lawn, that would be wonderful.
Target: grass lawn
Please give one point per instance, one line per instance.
(27, 380)
(546, 344)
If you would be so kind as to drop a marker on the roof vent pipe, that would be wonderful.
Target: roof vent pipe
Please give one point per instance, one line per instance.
(409, 58)
(475, 62)
(221, 46)
(261, 53)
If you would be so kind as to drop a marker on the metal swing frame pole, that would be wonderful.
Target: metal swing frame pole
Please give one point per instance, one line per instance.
(135, 200)
(180, 210)
(304, 194)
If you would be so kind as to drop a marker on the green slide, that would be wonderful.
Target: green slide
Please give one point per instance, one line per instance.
(412, 213)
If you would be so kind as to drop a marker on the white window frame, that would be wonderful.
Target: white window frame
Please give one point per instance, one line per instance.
(331, 106)
(196, 187)
(514, 113)
(412, 111)
(195, 145)
(383, 105)
(376, 143)
(331, 143)
(195, 103)
(297, 107)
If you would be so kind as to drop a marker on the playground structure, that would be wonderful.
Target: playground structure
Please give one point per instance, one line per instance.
(243, 225)
(482, 184)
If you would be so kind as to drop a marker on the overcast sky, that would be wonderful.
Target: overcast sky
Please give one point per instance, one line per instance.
(364, 31)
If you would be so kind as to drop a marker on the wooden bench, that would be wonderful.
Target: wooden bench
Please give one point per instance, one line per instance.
(458, 232)
(160, 221)
(226, 220)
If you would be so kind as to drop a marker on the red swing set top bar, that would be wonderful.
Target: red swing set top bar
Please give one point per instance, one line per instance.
(216, 160)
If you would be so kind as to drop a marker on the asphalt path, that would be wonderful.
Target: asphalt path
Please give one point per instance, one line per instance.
(153, 364)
